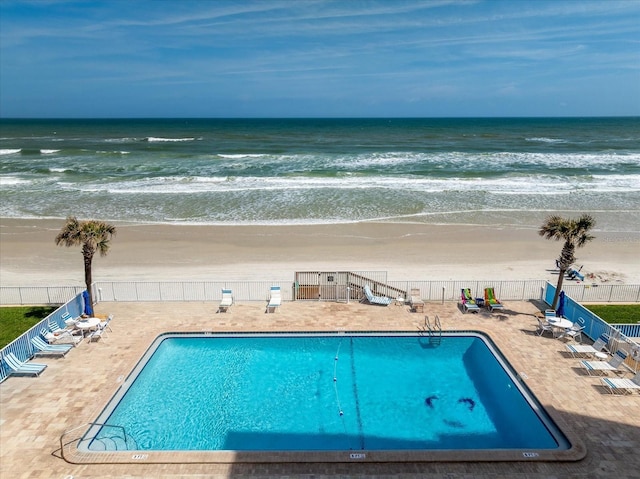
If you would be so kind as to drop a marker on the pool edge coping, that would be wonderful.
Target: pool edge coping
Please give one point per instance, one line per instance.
(576, 452)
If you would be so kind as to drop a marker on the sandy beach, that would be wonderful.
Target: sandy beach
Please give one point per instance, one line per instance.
(160, 252)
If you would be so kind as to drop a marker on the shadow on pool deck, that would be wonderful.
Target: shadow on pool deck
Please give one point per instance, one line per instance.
(34, 412)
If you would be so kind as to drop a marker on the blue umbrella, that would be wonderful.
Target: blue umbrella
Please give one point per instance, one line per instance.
(88, 310)
(560, 310)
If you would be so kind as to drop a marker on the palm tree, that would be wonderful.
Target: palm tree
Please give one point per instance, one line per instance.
(575, 233)
(93, 235)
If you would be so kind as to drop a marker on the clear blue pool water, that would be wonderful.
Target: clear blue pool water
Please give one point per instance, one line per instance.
(324, 393)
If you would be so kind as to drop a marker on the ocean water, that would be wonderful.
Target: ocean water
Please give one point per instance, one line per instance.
(507, 172)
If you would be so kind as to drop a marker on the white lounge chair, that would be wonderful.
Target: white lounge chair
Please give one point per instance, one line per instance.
(226, 302)
(415, 301)
(60, 338)
(623, 385)
(372, 299)
(588, 349)
(275, 299)
(468, 303)
(45, 349)
(602, 367)
(22, 368)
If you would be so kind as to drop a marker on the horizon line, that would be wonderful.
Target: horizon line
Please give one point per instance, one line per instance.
(311, 117)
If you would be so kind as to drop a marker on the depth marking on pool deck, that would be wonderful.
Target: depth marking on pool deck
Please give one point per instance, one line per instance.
(357, 455)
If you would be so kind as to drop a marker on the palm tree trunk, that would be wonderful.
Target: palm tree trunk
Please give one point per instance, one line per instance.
(554, 303)
(88, 259)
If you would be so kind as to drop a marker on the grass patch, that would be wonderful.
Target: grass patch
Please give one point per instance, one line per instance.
(15, 320)
(616, 313)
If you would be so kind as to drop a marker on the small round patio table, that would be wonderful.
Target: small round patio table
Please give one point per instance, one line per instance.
(87, 324)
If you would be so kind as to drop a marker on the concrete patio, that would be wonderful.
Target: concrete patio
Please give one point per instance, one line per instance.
(35, 412)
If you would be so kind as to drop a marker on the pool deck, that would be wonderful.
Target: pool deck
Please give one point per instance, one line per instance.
(35, 412)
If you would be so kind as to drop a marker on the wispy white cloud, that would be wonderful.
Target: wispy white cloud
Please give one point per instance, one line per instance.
(424, 48)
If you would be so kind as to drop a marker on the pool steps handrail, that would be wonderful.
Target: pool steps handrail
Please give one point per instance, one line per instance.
(434, 331)
(86, 427)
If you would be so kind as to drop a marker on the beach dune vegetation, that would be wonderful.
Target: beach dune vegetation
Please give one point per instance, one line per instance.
(575, 233)
(92, 235)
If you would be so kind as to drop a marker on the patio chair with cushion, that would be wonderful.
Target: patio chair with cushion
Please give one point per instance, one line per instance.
(373, 299)
(468, 303)
(490, 300)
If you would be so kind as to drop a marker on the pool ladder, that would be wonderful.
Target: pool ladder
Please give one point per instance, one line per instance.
(433, 331)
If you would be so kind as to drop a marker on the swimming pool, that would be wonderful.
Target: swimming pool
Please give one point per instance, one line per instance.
(357, 393)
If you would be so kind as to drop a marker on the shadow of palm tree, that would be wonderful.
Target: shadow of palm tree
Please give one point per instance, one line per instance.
(39, 311)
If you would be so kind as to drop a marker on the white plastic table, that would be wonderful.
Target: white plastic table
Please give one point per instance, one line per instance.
(560, 323)
(87, 324)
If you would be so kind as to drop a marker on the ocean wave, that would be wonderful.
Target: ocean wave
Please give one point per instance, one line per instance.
(10, 151)
(160, 139)
(546, 140)
(465, 161)
(519, 185)
(117, 152)
(49, 152)
(241, 155)
(123, 140)
(13, 181)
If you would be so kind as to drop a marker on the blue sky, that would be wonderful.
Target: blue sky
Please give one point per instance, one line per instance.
(298, 58)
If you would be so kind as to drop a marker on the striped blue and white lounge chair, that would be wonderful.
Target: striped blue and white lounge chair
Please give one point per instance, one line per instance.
(372, 299)
(56, 329)
(588, 349)
(602, 367)
(44, 349)
(275, 299)
(623, 385)
(68, 319)
(22, 368)
(226, 302)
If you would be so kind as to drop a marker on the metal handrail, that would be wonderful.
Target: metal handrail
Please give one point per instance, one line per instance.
(63, 444)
